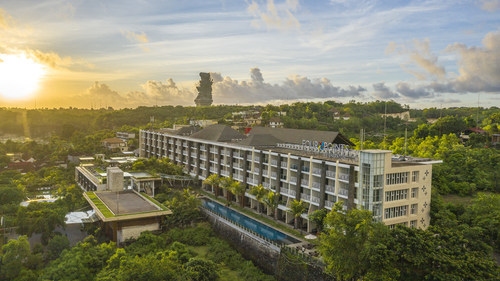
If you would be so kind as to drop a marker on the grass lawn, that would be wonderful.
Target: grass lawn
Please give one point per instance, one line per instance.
(154, 201)
(98, 203)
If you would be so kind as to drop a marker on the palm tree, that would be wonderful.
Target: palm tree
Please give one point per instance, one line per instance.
(272, 200)
(212, 180)
(260, 193)
(226, 184)
(296, 209)
(238, 189)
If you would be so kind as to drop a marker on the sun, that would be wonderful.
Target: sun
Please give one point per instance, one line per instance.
(19, 76)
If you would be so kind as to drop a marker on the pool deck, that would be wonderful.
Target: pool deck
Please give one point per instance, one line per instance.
(301, 240)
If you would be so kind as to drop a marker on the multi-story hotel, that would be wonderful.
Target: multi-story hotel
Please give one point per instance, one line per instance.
(317, 167)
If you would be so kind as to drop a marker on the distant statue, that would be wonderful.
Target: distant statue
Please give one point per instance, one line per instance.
(204, 97)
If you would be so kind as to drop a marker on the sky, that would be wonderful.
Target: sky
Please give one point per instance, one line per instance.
(131, 53)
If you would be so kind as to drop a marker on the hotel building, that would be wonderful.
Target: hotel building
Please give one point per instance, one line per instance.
(317, 167)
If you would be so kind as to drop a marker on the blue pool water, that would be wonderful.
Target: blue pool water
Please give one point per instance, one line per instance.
(250, 223)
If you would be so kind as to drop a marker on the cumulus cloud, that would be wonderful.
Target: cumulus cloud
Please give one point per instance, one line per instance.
(406, 90)
(490, 5)
(479, 66)
(228, 90)
(419, 55)
(167, 93)
(383, 92)
(273, 16)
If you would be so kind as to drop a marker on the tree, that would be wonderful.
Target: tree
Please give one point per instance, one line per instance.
(226, 185)
(201, 270)
(318, 218)
(260, 193)
(353, 246)
(213, 180)
(16, 254)
(56, 245)
(238, 189)
(297, 208)
(185, 208)
(272, 200)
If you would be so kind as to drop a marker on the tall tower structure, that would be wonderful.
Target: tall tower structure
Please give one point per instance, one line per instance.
(204, 97)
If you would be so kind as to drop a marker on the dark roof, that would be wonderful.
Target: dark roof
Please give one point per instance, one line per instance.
(294, 136)
(187, 131)
(264, 140)
(218, 132)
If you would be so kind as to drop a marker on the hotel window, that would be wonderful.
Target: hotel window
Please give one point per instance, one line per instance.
(414, 208)
(414, 176)
(396, 178)
(395, 212)
(377, 180)
(376, 195)
(414, 192)
(413, 223)
(396, 195)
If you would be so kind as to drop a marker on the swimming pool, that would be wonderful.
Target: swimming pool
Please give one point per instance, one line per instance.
(254, 225)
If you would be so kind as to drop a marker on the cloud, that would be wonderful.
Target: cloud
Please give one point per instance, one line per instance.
(384, 92)
(6, 20)
(279, 16)
(479, 66)
(167, 93)
(228, 90)
(137, 38)
(421, 56)
(408, 91)
(490, 5)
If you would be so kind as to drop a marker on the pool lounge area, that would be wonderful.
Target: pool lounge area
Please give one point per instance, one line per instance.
(252, 224)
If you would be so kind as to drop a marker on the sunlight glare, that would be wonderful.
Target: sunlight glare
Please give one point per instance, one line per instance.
(19, 76)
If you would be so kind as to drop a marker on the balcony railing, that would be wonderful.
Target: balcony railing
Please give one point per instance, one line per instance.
(315, 184)
(274, 162)
(293, 180)
(304, 182)
(330, 174)
(315, 199)
(317, 171)
(330, 188)
(284, 164)
(329, 204)
(305, 196)
(343, 192)
(344, 177)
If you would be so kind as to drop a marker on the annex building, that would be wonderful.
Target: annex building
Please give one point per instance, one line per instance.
(318, 167)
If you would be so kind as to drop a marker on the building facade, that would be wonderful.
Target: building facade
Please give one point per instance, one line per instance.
(320, 171)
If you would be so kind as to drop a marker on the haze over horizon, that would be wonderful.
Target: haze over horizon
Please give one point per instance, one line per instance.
(130, 53)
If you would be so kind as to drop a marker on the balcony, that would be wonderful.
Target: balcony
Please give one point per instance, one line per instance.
(256, 170)
(317, 171)
(305, 196)
(315, 199)
(343, 192)
(256, 159)
(284, 191)
(329, 188)
(265, 184)
(293, 180)
(274, 162)
(224, 173)
(329, 204)
(330, 174)
(264, 173)
(284, 164)
(294, 167)
(304, 182)
(344, 177)
(273, 175)
(315, 185)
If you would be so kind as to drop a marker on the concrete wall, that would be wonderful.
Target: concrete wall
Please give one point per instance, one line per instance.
(115, 179)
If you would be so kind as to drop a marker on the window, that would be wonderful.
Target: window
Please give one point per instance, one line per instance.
(400, 194)
(377, 181)
(414, 192)
(376, 195)
(414, 208)
(413, 223)
(414, 176)
(396, 178)
(395, 212)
